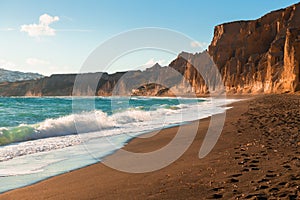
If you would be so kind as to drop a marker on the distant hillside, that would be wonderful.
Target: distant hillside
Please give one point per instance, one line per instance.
(256, 56)
(13, 76)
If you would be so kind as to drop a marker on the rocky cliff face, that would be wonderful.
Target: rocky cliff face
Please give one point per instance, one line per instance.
(257, 56)
(56, 85)
(260, 55)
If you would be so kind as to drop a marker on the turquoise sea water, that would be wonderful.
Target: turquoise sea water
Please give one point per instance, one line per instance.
(43, 137)
(20, 110)
(20, 118)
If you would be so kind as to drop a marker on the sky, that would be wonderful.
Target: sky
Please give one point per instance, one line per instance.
(57, 36)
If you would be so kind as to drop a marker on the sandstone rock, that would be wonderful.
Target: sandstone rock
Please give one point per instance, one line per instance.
(259, 56)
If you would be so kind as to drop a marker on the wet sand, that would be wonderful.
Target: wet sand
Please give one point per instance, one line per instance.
(256, 157)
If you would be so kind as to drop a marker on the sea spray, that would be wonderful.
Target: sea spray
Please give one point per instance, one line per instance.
(88, 122)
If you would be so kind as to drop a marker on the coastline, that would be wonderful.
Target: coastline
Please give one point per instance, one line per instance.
(218, 175)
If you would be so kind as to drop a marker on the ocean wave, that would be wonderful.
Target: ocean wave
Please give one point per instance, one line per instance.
(85, 122)
(77, 130)
(97, 121)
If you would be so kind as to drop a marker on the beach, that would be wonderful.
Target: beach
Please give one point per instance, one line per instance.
(256, 157)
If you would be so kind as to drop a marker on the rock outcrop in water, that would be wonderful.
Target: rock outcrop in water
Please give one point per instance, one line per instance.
(256, 56)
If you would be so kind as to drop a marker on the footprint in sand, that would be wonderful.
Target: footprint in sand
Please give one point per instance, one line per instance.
(236, 175)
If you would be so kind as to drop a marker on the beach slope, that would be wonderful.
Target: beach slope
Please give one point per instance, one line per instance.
(257, 156)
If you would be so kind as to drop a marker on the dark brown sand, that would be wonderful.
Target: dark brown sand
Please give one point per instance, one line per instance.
(256, 157)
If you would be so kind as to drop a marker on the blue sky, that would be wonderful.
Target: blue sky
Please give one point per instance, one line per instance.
(70, 30)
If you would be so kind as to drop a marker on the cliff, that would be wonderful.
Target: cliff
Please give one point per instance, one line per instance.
(257, 56)
(63, 85)
(261, 55)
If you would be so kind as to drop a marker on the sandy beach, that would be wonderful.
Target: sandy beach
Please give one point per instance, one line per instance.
(256, 157)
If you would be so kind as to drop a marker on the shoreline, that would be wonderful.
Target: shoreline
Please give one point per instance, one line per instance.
(90, 163)
(170, 131)
(221, 174)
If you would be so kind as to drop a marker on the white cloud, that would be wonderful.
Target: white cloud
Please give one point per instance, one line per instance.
(152, 62)
(36, 61)
(7, 64)
(7, 29)
(42, 28)
(46, 19)
(196, 44)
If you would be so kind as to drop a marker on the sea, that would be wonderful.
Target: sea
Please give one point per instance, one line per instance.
(42, 137)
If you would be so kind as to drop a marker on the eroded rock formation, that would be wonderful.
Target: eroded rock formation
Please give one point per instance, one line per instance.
(259, 55)
(256, 56)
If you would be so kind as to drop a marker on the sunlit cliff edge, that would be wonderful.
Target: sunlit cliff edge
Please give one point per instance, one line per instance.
(255, 56)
